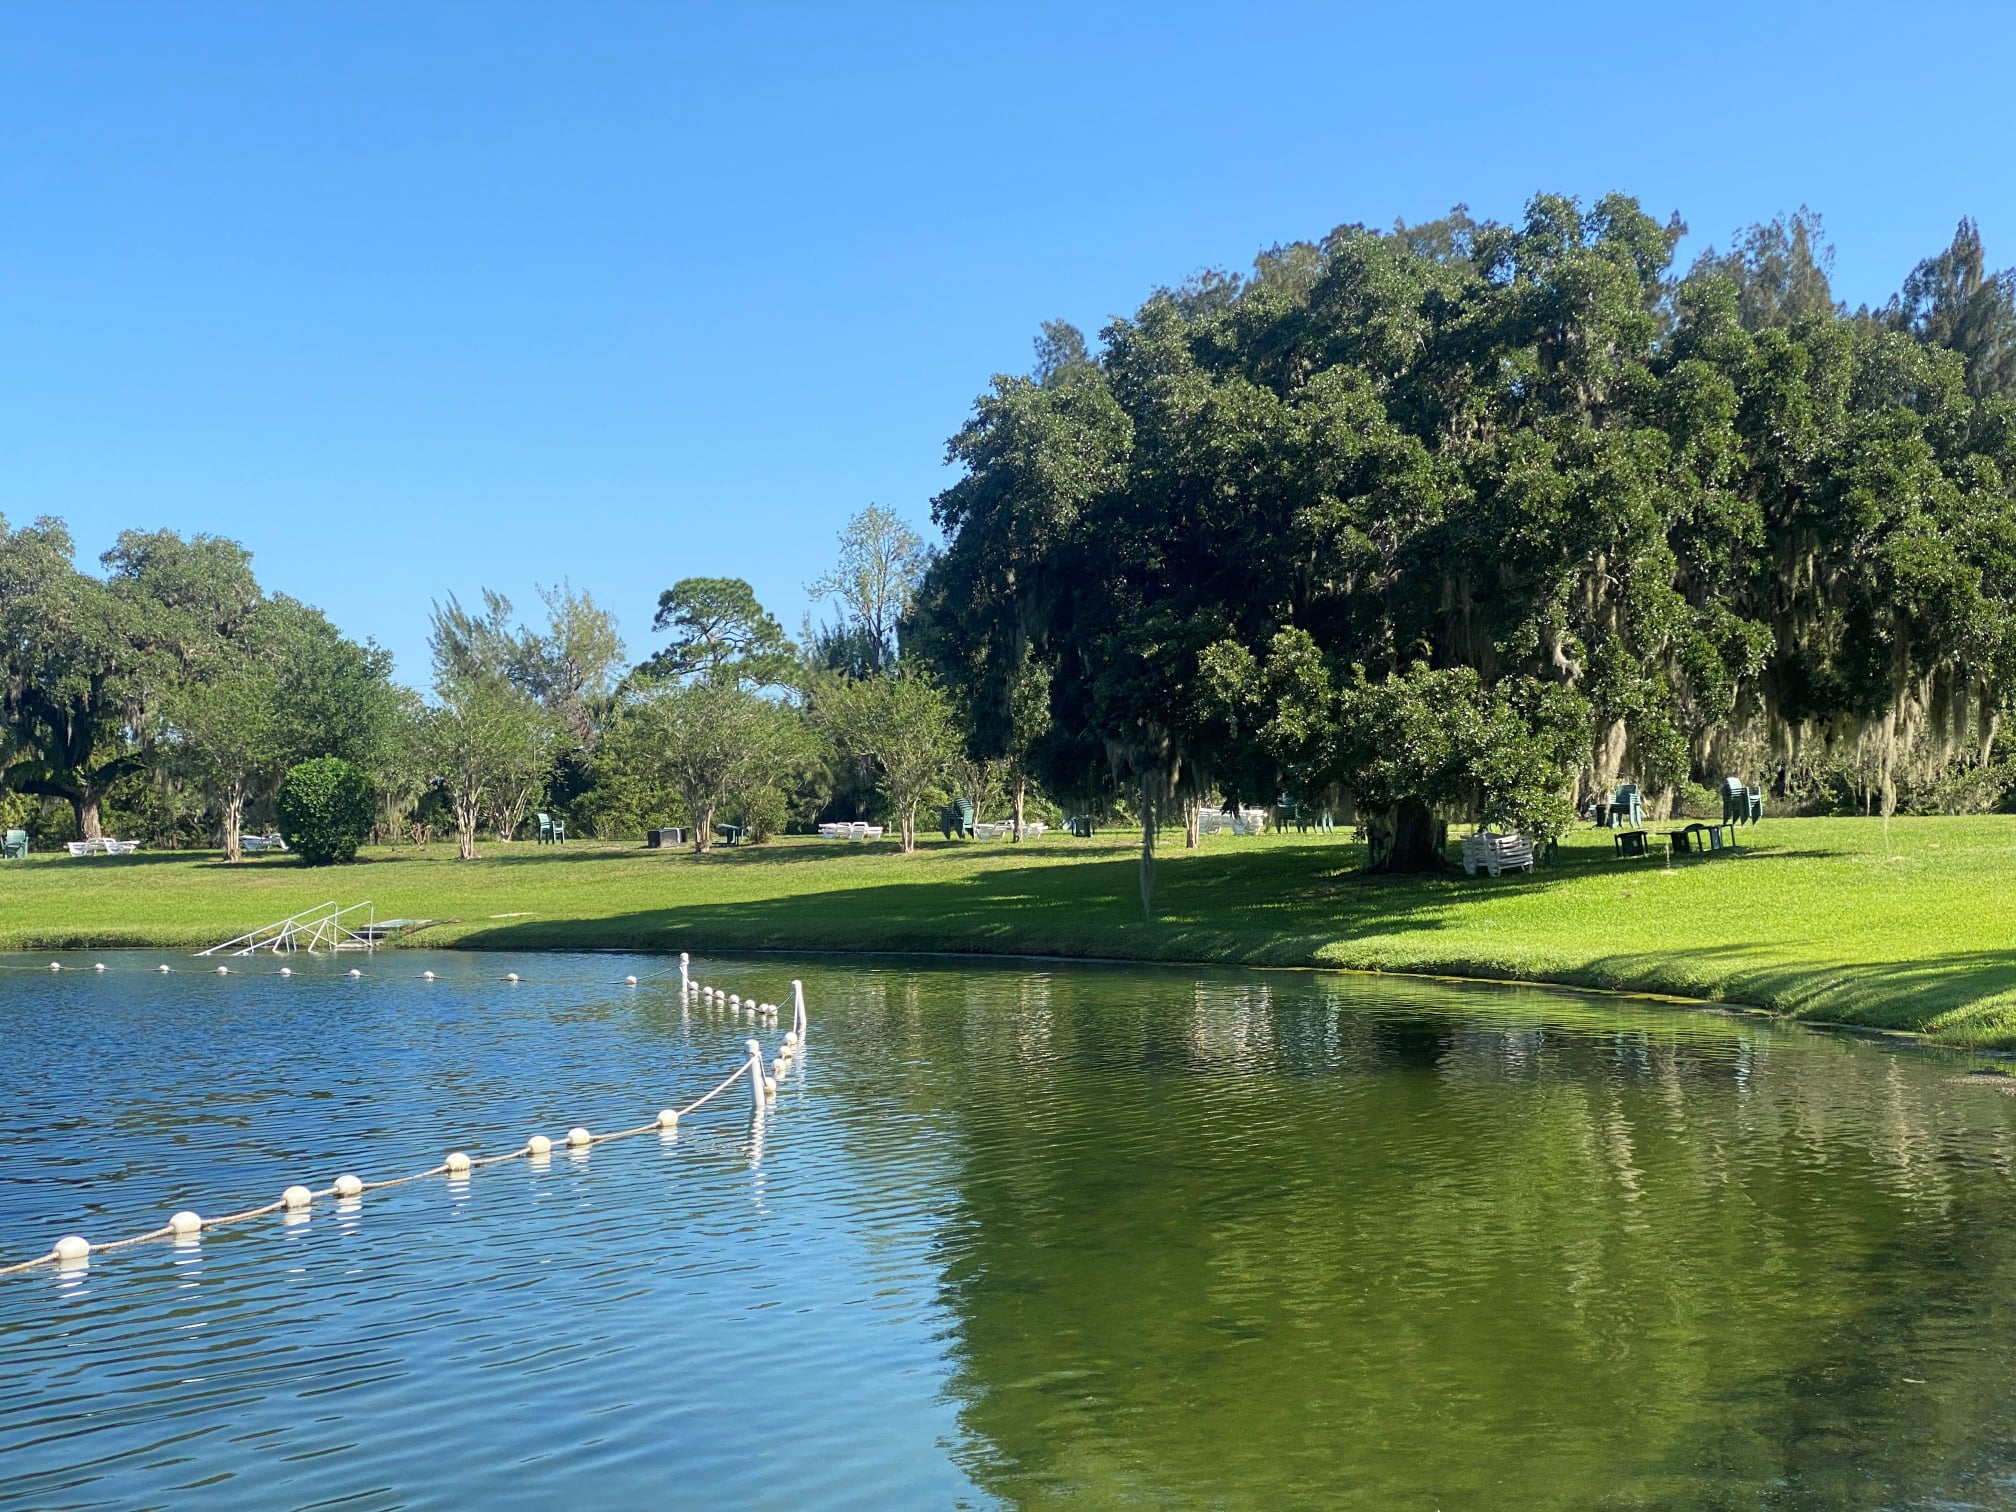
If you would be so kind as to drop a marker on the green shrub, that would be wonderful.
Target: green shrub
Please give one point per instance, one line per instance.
(326, 808)
(1697, 802)
(764, 813)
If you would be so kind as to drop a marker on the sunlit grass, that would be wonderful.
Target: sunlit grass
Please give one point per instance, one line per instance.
(1819, 918)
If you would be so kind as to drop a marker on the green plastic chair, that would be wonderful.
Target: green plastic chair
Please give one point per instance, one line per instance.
(551, 831)
(15, 847)
(1626, 808)
(956, 818)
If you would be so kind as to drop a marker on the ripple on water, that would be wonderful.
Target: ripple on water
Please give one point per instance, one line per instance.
(1015, 1235)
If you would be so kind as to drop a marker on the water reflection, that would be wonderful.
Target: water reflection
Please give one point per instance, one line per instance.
(1364, 1247)
(1025, 1235)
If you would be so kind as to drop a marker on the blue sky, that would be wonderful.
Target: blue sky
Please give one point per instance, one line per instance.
(426, 297)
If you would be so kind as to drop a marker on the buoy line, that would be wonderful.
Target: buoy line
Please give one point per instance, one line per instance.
(74, 1250)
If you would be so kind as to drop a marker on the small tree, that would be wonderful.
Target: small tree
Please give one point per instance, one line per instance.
(903, 724)
(526, 735)
(470, 739)
(229, 736)
(716, 742)
(325, 810)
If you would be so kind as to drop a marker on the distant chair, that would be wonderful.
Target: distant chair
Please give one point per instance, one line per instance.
(1304, 815)
(956, 818)
(1741, 804)
(15, 847)
(1627, 809)
(551, 831)
(1496, 853)
(731, 834)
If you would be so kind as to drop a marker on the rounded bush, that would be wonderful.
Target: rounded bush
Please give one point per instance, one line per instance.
(325, 810)
(763, 814)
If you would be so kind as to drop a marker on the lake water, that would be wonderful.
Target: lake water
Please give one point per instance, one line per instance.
(1028, 1234)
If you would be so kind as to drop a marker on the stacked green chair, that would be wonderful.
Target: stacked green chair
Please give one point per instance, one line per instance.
(956, 818)
(1627, 809)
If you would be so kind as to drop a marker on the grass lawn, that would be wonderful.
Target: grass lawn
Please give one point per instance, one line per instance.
(1821, 919)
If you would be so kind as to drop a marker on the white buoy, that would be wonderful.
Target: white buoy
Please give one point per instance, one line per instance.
(72, 1250)
(348, 1187)
(579, 1138)
(777, 1068)
(539, 1146)
(99, 967)
(186, 1222)
(769, 1086)
(734, 998)
(790, 1039)
(354, 972)
(287, 971)
(55, 965)
(510, 976)
(296, 1197)
(223, 971)
(629, 981)
(457, 1163)
(162, 969)
(668, 1119)
(426, 976)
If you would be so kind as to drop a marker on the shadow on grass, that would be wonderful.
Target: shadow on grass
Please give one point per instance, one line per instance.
(1299, 906)
(1965, 995)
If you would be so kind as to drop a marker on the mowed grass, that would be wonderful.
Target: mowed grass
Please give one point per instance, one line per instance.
(1823, 919)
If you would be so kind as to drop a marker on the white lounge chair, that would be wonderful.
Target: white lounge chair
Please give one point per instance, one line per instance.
(103, 845)
(254, 844)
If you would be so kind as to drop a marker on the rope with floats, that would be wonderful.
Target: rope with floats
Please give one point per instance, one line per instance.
(73, 1250)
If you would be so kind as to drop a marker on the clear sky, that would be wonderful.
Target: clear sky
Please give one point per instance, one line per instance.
(421, 297)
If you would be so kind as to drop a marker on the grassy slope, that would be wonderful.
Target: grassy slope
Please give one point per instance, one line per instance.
(1822, 919)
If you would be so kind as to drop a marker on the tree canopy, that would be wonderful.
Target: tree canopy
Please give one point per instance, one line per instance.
(1666, 526)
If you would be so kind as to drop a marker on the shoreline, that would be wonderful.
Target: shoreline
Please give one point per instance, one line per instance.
(1814, 921)
(1910, 1037)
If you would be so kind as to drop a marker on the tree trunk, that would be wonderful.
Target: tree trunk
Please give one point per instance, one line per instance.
(1147, 851)
(89, 825)
(1021, 787)
(1412, 839)
(468, 817)
(703, 826)
(909, 831)
(1193, 821)
(234, 820)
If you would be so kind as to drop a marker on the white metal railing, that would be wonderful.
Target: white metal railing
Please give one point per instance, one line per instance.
(314, 930)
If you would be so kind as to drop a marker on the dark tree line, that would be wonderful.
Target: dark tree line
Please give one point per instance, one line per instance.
(1457, 519)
